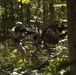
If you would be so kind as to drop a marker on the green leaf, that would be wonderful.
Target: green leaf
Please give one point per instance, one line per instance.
(24, 1)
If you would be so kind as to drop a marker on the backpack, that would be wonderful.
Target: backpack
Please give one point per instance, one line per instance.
(47, 38)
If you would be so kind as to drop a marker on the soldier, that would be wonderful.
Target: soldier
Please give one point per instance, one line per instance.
(53, 33)
(17, 37)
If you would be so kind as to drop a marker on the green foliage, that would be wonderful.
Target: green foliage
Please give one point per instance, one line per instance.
(41, 60)
(63, 65)
(24, 1)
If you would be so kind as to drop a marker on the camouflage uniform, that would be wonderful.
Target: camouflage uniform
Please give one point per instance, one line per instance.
(17, 37)
(51, 34)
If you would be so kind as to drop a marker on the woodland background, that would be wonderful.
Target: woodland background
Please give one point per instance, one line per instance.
(34, 14)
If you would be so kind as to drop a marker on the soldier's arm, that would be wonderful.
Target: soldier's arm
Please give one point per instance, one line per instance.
(15, 35)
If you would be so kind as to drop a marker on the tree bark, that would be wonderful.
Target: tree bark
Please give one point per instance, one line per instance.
(28, 13)
(71, 20)
(45, 14)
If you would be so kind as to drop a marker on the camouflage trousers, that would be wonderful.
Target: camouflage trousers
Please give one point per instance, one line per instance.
(20, 49)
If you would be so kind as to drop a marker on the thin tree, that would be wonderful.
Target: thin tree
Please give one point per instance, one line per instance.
(45, 14)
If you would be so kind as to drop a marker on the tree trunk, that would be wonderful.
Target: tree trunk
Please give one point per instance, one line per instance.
(52, 11)
(28, 13)
(71, 17)
(45, 14)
